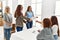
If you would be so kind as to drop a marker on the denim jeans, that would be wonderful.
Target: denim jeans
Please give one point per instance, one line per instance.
(56, 37)
(29, 24)
(7, 33)
(19, 28)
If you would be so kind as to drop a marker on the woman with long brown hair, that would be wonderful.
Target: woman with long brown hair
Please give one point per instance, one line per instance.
(29, 14)
(19, 18)
(55, 27)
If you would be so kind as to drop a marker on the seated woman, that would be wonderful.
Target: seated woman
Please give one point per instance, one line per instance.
(46, 33)
(55, 27)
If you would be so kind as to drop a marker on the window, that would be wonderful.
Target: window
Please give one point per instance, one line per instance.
(33, 1)
(57, 11)
(39, 0)
(36, 7)
(38, 10)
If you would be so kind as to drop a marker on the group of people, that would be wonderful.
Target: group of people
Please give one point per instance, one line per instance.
(50, 29)
(20, 19)
(50, 25)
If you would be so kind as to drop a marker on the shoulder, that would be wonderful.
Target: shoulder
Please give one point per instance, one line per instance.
(55, 26)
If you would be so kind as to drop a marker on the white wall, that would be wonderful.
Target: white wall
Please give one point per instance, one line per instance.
(48, 8)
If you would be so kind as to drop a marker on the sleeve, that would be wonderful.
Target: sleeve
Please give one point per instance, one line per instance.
(11, 18)
(25, 18)
(4, 17)
(24, 21)
(33, 14)
(25, 13)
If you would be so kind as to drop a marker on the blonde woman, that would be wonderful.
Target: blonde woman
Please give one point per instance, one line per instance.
(7, 23)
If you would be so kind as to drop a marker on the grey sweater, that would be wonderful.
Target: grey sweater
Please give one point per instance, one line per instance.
(8, 19)
(20, 20)
(45, 34)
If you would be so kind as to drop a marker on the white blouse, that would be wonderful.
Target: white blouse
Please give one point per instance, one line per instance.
(55, 29)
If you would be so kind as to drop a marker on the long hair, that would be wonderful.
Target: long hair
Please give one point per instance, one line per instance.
(46, 23)
(54, 21)
(29, 8)
(18, 11)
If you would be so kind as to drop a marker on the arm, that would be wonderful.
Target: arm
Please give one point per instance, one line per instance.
(24, 21)
(25, 18)
(39, 22)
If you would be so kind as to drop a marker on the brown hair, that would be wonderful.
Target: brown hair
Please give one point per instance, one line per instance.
(18, 11)
(28, 8)
(46, 23)
(55, 22)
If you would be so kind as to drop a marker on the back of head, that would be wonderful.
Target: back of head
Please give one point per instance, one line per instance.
(46, 23)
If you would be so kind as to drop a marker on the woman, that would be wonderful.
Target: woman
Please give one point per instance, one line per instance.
(7, 23)
(19, 18)
(46, 33)
(29, 14)
(55, 27)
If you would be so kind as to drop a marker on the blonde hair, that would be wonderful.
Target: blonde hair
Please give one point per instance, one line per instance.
(7, 8)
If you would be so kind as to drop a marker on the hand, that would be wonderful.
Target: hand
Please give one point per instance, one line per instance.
(30, 19)
(38, 30)
(36, 17)
(37, 21)
(9, 24)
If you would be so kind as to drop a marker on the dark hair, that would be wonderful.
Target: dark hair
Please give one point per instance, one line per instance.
(46, 23)
(28, 8)
(55, 22)
(18, 10)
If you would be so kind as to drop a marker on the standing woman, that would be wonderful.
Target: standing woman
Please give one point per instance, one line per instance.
(55, 27)
(29, 14)
(7, 23)
(19, 18)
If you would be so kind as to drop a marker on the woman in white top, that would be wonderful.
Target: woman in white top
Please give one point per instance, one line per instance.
(55, 27)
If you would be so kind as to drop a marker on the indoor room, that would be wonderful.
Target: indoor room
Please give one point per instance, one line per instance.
(40, 9)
